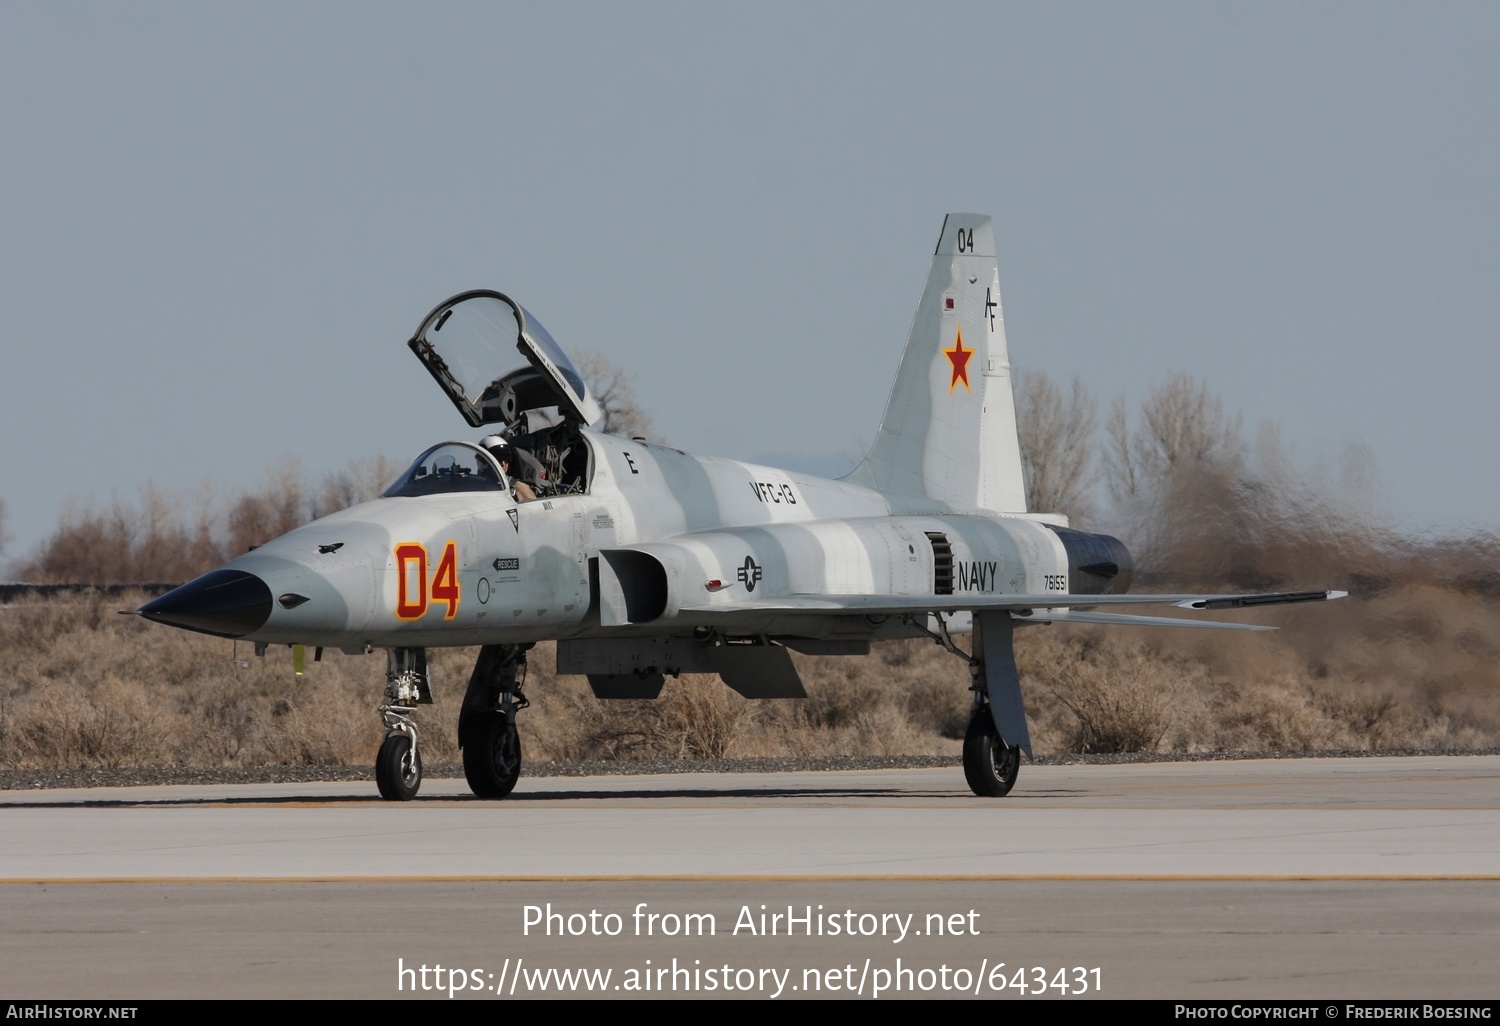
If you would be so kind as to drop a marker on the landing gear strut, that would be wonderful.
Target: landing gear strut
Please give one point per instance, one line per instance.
(398, 767)
(997, 733)
(487, 722)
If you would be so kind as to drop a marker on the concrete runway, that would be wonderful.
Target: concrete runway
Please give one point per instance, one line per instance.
(1316, 878)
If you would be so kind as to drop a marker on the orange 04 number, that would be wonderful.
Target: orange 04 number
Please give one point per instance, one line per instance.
(414, 593)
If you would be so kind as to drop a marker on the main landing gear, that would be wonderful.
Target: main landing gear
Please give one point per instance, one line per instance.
(997, 733)
(487, 722)
(990, 766)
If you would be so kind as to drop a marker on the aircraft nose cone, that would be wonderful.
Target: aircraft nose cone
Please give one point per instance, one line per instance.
(229, 603)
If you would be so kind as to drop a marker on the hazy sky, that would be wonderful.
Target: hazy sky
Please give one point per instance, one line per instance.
(219, 223)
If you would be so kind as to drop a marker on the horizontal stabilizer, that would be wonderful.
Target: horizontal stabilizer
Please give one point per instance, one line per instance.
(1126, 620)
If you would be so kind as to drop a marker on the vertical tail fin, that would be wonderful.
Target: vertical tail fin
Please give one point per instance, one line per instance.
(949, 430)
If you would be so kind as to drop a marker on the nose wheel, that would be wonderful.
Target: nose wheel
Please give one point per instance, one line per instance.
(398, 767)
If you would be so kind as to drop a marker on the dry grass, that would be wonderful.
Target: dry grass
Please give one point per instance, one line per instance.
(851, 709)
(1412, 662)
(1413, 667)
(82, 686)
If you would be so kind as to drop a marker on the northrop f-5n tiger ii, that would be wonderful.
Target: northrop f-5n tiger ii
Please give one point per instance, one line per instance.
(642, 560)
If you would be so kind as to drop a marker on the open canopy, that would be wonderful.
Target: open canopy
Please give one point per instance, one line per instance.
(463, 343)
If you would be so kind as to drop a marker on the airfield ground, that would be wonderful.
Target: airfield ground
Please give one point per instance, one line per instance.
(1316, 878)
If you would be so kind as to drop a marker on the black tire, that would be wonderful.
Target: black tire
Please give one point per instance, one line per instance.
(398, 768)
(492, 755)
(989, 766)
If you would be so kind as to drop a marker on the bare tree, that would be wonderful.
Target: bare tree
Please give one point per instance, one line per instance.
(360, 481)
(1056, 436)
(1182, 492)
(1183, 431)
(256, 518)
(1119, 467)
(614, 391)
(125, 545)
(165, 538)
(1206, 510)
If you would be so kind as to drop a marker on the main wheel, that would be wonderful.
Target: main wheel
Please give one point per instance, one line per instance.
(398, 768)
(989, 766)
(492, 755)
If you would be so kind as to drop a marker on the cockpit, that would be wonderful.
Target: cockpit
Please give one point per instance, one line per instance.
(449, 467)
(540, 409)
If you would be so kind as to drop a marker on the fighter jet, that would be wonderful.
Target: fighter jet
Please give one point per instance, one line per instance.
(643, 561)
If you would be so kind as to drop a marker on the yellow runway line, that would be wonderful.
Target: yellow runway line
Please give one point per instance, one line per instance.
(809, 878)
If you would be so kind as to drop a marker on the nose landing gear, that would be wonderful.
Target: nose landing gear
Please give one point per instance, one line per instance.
(398, 767)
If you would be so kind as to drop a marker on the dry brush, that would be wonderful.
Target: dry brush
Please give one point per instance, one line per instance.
(1410, 662)
(83, 686)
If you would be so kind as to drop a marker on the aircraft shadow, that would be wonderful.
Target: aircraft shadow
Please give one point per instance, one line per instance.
(529, 797)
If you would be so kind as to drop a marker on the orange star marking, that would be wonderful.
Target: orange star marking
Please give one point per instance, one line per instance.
(958, 356)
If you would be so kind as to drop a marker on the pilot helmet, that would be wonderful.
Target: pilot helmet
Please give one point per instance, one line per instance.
(497, 447)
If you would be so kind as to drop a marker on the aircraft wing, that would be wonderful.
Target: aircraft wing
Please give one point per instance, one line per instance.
(1048, 607)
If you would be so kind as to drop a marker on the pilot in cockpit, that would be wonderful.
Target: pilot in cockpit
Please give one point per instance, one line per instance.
(501, 450)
